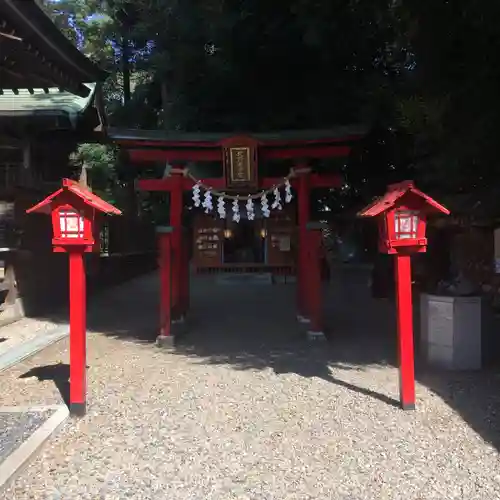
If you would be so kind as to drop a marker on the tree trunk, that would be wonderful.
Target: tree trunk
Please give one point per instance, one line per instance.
(126, 69)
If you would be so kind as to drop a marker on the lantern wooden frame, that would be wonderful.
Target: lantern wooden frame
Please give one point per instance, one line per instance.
(73, 198)
(399, 198)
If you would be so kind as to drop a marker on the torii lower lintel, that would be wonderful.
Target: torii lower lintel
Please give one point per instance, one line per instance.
(172, 183)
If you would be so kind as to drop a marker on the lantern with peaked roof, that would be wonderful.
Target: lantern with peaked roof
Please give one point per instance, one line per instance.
(74, 210)
(402, 216)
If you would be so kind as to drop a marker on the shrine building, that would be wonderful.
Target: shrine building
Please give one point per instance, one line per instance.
(50, 100)
(247, 198)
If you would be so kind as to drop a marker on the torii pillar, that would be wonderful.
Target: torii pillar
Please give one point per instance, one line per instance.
(314, 282)
(176, 206)
(303, 217)
(179, 254)
(165, 337)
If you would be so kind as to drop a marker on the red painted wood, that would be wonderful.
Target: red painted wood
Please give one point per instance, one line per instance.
(173, 155)
(170, 183)
(405, 332)
(326, 181)
(302, 219)
(274, 143)
(395, 193)
(304, 152)
(307, 273)
(308, 142)
(77, 328)
(176, 207)
(165, 264)
(315, 181)
(75, 191)
(206, 154)
(314, 283)
(184, 276)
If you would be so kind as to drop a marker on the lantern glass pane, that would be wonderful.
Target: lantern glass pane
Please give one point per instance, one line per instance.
(415, 224)
(405, 224)
(71, 224)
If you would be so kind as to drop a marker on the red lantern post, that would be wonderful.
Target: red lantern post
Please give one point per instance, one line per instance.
(402, 214)
(73, 209)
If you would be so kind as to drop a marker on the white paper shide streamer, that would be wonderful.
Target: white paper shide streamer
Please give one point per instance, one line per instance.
(277, 199)
(196, 194)
(264, 205)
(251, 199)
(236, 211)
(288, 191)
(207, 202)
(250, 209)
(221, 207)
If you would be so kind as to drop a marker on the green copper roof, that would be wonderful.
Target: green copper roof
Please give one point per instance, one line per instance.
(45, 102)
(338, 133)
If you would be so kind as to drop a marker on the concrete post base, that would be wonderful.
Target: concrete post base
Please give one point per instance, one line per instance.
(78, 409)
(12, 312)
(179, 326)
(314, 336)
(302, 319)
(407, 407)
(167, 342)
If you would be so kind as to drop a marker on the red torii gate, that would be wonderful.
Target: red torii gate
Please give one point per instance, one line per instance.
(176, 149)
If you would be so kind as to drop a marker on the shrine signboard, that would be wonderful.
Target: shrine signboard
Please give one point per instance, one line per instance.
(240, 162)
(208, 240)
(281, 226)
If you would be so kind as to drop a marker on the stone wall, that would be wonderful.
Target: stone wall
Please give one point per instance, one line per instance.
(472, 253)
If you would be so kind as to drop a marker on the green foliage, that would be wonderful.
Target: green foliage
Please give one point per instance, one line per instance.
(260, 65)
(423, 72)
(88, 26)
(251, 64)
(100, 161)
(231, 66)
(454, 105)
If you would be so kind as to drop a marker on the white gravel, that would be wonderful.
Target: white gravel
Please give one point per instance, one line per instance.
(246, 409)
(24, 330)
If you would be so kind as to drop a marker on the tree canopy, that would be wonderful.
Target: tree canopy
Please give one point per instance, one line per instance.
(421, 72)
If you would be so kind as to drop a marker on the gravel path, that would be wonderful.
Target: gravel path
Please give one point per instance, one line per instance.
(24, 330)
(16, 427)
(246, 409)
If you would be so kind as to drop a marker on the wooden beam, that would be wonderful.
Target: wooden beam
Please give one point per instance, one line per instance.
(174, 155)
(304, 152)
(170, 183)
(31, 78)
(168, 144)
(212, 154)
(10, 72)
(315, 181)
(326, 181)
(11, 36)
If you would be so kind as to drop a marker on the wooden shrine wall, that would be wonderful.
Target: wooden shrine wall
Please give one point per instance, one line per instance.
(281, 237)
(281, 240)
(208, 238)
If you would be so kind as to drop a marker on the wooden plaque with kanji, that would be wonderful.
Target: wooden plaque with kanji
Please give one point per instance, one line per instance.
(240, 162)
